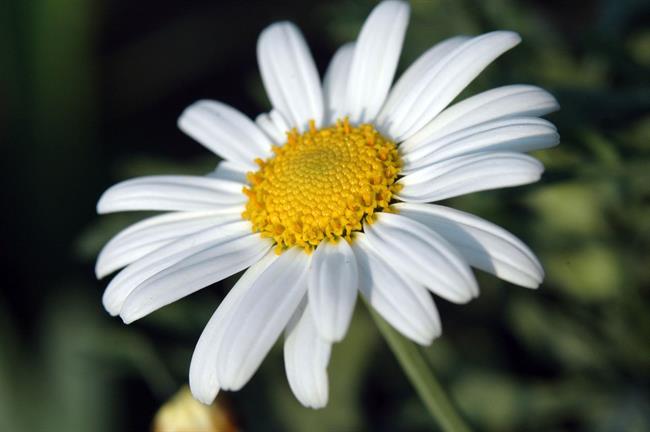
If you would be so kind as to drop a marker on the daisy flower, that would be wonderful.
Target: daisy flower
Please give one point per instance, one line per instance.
(329, 194)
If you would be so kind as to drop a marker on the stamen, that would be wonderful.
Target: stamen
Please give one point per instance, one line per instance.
(322, 184)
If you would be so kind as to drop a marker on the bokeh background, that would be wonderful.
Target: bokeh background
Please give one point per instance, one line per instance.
(89, 95)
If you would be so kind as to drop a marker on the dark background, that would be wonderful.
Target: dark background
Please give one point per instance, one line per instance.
(89, 95)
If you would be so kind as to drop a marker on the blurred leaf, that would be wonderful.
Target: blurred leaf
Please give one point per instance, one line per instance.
(636, 135)
(148, 165)
(10, 404)
(591, 273)
(491, 400)
(557, 67)
(74, 392)
(574, 208)
(553, 333)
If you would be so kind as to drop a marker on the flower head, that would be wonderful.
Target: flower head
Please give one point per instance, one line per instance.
(322, 185)
(328, 194)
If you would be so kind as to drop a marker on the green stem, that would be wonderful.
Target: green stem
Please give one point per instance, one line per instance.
(419, 373)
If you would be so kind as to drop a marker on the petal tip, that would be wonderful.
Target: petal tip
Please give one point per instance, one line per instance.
(129, 314)
(183, 121)
(100, 269)
(126, 319)
(555, 105)
(512, 36)
(537, 281)
(319, 404)
(329, 333)
(277, 26)
(204, 395)
(103, 205)
(111, 306)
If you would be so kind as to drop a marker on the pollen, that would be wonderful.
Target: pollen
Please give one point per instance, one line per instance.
(322, 184)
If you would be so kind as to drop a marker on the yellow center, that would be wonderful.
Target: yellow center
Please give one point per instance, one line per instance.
(322, 184)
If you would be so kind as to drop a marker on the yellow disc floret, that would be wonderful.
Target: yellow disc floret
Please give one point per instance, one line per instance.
(322, 184)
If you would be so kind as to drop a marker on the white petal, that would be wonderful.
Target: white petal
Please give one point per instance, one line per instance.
(422, 255)
(193, 273)
(171, 193)
(414, 74)
(230, 171)
(335, 83)
(306, 356)
(516, 134)
(405, 304)
(260, 317)
(375, 58)
(495, 104)
(280, 123)
(203, 368)
(483, 244)
(225, 131)
(442, 82)
(149, 234)
(466, 174)
(333, 282)
(128, 279)
(289, 74)
(274, 125)
(265, 123)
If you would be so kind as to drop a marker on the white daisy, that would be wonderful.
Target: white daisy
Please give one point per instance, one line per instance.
(330, 193)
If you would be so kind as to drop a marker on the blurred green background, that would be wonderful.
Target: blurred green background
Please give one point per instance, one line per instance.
(89, 95)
